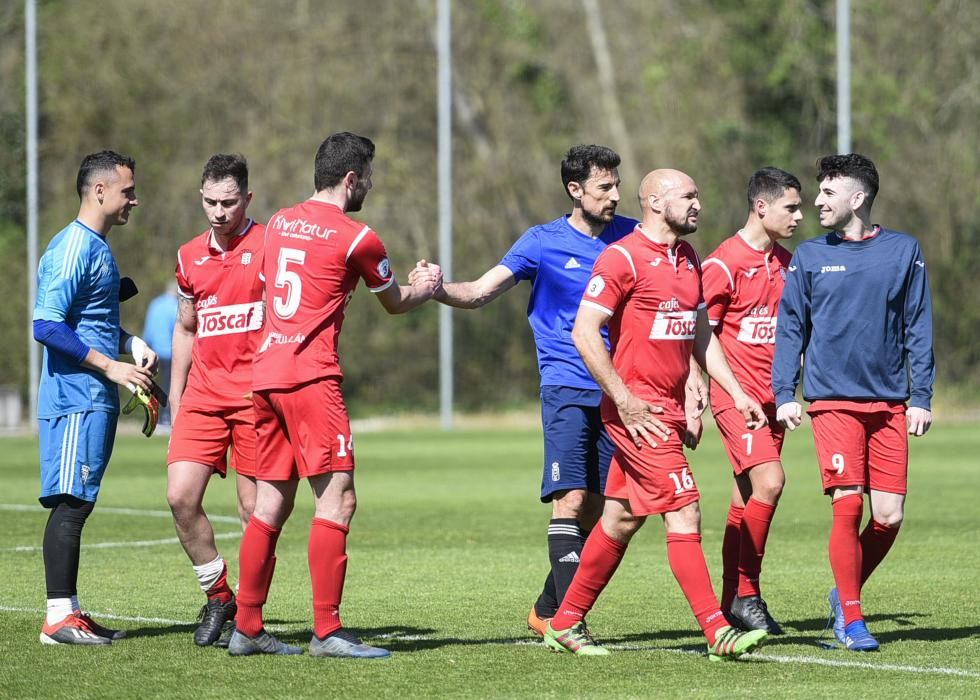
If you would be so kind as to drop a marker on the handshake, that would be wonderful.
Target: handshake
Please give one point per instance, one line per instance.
(426, 277)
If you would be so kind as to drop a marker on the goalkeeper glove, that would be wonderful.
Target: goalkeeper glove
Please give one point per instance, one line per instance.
(150, 406)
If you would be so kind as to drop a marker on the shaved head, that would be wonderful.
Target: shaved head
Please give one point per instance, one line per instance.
(660, 182)
(669, 200)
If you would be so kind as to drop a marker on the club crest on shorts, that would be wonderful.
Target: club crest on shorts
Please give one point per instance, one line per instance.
(555, 472)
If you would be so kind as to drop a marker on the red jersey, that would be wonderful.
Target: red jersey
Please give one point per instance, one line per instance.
(742, 287)
(315, 255)
(653, 294)
(227, 294)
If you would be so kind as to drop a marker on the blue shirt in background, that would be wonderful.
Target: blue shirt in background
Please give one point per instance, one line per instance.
(78, 284)
(558, 260)
(860, 314)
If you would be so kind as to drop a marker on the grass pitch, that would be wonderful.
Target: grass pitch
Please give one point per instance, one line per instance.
(447, 554)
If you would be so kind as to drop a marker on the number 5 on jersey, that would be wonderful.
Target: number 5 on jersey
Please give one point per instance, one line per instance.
(285, 308)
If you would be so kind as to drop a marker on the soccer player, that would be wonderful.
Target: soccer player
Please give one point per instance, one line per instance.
(743, 280)
(647, 288)
(76, 318)
(856, 307)
(557, 258)
(315, 255)
(219, 318)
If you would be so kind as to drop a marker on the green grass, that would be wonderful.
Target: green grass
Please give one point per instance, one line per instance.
(447, 553)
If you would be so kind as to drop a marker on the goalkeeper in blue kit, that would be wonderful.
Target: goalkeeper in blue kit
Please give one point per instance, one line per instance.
(76, 319)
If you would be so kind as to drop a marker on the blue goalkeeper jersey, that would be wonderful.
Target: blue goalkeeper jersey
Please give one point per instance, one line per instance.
(558, 259)
(859, 313)
(78, 284)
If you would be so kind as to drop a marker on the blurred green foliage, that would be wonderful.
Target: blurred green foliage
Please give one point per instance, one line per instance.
(715, 87)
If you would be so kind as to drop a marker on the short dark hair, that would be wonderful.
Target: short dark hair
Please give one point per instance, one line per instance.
(222, 165)
(852, 165)
(97, 163)
(580, 161)
(770, 183)
(338, 155)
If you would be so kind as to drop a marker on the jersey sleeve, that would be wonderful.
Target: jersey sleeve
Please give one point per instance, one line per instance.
(524, 256)
(369, 259)
(613, 277)
(792, 332)
(716, 281)
(60, 276)
(184, 287)
(918, 333)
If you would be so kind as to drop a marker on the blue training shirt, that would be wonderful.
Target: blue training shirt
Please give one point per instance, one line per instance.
(558, 260)
(78, 284)
(860, 314)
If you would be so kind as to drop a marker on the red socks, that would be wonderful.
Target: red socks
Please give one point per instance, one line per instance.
(730, 547)
(876, 540)
(220, 589)
(257, 561)
(687, 563)
(600, 559)
(845, 554)
(328, 569)
(756, 520)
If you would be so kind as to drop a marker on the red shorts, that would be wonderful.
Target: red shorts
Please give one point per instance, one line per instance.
(302, 431)
(862, 448)
(653, 480)
(203, 437)
(749, 448)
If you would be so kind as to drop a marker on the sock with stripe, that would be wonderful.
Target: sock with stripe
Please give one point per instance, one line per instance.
(565, 543)
(257, 562)
(756, 521)
(599, 560)
(845, 554)
(686, 559)
(213, 579)
(730, 548)
(328, 569)
(876, 539)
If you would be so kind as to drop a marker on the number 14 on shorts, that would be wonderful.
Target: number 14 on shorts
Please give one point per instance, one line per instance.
(345, 445)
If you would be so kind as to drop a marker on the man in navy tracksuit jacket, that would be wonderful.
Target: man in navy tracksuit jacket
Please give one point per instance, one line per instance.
(856, 306)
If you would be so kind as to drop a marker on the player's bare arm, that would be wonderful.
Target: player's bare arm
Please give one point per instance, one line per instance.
(474, 294)
(122, 373)
(397, 299)
(636, 414)
(709, 354)
(182, 344)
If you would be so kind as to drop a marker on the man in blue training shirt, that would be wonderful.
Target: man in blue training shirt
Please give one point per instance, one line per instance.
(856, 306)
(557, 258)
(76, 318)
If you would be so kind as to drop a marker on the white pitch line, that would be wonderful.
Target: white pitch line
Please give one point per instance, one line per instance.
(815, 661)
(20, 507)
(117, 545)
(126, 618)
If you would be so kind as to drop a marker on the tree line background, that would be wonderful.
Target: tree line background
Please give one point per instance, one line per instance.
(717, 88)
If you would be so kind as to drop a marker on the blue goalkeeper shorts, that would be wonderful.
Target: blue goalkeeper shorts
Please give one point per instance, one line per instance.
(75, 451)
(577, 450)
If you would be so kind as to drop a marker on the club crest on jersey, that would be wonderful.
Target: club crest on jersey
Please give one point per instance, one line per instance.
(782, 273)
(246, 257)
(384, 268)
(690, 265)
(596, 285)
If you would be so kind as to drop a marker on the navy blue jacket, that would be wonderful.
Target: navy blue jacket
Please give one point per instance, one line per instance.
(860, 314)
